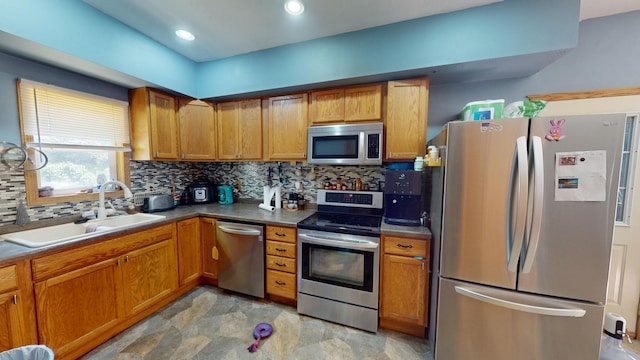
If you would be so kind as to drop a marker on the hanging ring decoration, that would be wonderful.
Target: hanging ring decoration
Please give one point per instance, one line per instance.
(37, 165)
(14, 157)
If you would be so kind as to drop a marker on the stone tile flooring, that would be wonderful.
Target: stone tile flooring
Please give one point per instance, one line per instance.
(210, 323)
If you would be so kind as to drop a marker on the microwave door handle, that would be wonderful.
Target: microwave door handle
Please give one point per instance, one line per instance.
(351, 244)
(362, 154)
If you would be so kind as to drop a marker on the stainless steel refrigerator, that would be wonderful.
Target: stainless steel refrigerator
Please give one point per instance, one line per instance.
(522, 217)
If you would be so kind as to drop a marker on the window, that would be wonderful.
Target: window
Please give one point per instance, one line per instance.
(627, 171)
(83, 136)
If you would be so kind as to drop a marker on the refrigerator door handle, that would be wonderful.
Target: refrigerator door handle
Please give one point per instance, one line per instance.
(538, 198)
(534, 309)
(522, 177)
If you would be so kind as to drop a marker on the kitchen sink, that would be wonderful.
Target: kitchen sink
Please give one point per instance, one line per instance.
(67, 232)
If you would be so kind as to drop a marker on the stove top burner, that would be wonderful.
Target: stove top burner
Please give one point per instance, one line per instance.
(343, 223)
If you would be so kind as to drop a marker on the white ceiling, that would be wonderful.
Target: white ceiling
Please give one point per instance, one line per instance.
(225, 28)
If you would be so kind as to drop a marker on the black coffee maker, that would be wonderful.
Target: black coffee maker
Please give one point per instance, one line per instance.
(404, 192)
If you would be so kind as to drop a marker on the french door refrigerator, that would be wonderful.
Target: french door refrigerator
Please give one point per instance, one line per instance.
(524, 231)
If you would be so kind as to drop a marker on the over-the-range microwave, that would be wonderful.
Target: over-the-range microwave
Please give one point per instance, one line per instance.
(352, 144)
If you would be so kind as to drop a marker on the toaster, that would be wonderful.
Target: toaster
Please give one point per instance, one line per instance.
(156, 203)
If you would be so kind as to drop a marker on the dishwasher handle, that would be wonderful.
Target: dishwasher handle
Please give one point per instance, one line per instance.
(239, 231)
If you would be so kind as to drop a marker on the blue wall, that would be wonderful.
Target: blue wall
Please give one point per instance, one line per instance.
(606, 57)
(504, 29)
(13, 68)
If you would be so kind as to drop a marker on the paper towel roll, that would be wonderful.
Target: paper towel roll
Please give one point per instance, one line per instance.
(278, 199)
(266, 207)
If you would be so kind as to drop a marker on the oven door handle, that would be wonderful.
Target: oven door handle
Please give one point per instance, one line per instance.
(365, 245)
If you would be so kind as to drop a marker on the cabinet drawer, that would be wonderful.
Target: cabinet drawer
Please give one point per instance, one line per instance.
(281, 284)
(280, 233)
(281, 249)
(406, 247)
(281, 264)
(8, 278)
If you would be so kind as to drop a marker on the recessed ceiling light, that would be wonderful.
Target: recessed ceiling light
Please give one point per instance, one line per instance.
(294, 7)
(184, 34)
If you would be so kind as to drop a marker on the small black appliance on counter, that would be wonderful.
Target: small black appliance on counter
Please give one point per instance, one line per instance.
(202, 192)
(404, 192)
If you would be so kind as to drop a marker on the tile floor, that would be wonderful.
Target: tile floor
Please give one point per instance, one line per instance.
(210, 323)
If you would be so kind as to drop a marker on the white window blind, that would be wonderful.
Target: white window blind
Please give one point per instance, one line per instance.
(62, 118)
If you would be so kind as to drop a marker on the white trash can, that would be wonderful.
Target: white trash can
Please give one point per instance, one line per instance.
(29, 352)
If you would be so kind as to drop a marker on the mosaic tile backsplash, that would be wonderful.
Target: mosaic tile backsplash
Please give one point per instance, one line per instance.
(158, 176)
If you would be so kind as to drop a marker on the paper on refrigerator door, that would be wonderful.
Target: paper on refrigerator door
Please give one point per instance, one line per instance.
(581, 176)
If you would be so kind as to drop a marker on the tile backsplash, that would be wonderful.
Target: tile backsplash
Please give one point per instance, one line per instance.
(158, 176)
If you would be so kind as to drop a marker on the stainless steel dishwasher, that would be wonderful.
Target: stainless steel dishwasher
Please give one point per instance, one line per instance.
(241, 257)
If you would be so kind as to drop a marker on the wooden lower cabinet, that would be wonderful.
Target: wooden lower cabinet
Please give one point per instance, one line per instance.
(281, 263)
(209, 250)
(189, 251)
(149, 274)
(87, 294)
(404, 284)
(76, 307)
(17, 317)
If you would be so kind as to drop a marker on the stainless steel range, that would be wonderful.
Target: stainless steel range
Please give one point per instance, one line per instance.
(339, 259)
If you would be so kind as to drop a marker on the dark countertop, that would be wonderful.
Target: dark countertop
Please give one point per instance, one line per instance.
(246, 211)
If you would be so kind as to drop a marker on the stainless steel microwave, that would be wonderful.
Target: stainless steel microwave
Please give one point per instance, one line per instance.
(352, 144)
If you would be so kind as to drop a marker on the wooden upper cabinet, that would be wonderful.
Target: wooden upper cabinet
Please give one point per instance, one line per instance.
(240, 130)
(406, 120)
(362, 103)
(288, 127)
(358, 103)
(154, 131)
(326, 106)
(197, 130)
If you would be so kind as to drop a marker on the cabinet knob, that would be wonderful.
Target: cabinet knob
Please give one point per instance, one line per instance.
(15, 299)
(281, 250)
(281, 234)
(281, 283)
(126, 259)
(281, 264)
(118, 262)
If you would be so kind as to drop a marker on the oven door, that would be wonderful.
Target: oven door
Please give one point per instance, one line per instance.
(340, 267)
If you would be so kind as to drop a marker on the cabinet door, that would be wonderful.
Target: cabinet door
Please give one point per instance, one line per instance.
(197, 130)
(189, 251)
(78, 306)
(326, 106)
(10, 329)
(406, 120)
(209, 250)
(164, 132)
(362, 103)
(228, 129)
(288, 127)
(250, 130)
(404, 289)
(149, 274)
